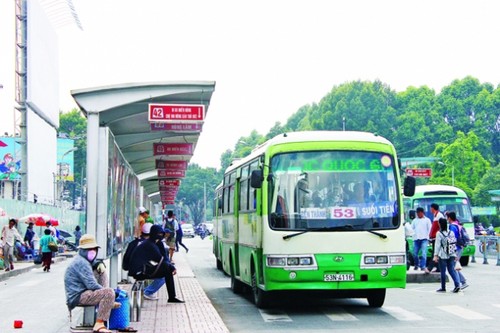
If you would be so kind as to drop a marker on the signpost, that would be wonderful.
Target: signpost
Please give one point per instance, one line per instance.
(422, 172)
(172, 149)
(178, 113)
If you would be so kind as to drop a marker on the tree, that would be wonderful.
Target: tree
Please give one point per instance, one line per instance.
(74, 125)
(199, 184)
(463, 160)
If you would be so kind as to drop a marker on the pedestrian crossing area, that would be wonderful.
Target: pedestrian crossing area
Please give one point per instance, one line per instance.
(353, 314)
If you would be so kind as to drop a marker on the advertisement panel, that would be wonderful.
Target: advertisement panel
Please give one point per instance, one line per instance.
(10, 155)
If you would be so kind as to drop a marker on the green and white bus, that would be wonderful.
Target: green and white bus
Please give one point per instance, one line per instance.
(449, 198)
(316, 211)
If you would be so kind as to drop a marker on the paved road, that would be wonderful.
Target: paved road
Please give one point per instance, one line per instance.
(417, 308)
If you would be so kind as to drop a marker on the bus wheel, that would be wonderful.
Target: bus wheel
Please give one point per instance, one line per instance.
(236, 285)
(376, 298)
(261, 298)
(219, 264)
(464, 261)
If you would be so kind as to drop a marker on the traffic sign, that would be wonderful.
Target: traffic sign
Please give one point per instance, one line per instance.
(422, 172)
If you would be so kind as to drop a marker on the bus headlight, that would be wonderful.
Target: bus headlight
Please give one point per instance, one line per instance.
(276, 261)
(295, 262)
(306, 261)
(397, 259)
(369, 260)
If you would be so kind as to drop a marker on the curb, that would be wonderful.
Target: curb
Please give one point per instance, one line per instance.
(18, 271)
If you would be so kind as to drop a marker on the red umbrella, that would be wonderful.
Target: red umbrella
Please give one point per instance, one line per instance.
(40, 220)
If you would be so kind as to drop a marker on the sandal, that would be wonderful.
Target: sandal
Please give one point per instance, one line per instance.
(128, 329)
(102, 329)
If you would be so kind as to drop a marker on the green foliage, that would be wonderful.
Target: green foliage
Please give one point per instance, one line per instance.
(460, 125)
(198, 185)
(74, 125)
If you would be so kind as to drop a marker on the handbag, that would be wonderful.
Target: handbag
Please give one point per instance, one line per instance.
(37, 260)
(53, 247)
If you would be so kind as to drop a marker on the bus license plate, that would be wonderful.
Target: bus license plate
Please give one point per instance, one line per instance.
(338, 277)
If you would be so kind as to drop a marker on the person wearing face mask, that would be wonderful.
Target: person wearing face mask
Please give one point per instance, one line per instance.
(87, 287)
(149, 261)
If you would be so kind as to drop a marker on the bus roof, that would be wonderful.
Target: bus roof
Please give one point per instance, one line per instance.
(438, 190)
(311, 136)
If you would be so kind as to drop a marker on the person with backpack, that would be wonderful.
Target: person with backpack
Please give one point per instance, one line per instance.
(462, 241)
(171, 224)
(445, 255)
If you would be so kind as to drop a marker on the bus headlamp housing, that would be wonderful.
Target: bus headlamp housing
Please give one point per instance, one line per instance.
(381, 260)
(295, 262)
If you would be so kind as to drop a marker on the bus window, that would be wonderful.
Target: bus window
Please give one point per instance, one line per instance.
(333, 189)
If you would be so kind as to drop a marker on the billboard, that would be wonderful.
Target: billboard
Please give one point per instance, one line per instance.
(10, 159)
(42, 65)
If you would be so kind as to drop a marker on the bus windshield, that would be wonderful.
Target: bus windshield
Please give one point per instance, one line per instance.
(333, 190)
(460, 206)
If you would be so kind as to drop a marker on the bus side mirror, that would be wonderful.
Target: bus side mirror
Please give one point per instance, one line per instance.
(256, 179)
(409, 186)
(412, 214)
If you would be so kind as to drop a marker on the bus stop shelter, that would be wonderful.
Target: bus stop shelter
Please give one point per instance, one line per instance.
(120, 140)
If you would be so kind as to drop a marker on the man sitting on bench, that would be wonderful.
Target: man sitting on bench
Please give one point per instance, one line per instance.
(149, 261)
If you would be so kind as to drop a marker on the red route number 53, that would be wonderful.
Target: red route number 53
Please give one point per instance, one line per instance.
(343, 213)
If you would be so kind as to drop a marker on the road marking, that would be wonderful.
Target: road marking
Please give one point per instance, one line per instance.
(337, 313)
(274, 316)
(30, 283)
(401, 314)
(463, 313)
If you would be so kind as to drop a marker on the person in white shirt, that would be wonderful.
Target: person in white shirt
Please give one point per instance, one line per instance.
(9, 236)
(421, 227)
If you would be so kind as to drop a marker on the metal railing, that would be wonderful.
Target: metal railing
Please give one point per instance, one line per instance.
(488, 246)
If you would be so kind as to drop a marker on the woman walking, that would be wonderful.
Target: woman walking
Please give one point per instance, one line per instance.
(45, 250)
(445, 255)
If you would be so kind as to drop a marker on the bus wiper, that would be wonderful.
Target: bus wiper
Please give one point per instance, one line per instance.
(344, 227)
(378, 234)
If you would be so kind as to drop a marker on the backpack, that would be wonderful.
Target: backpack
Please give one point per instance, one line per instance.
(128, 253)
(449, 243)
(463, 237)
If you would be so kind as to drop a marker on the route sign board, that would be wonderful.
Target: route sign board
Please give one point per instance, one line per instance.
(160, 113)
(422, 172)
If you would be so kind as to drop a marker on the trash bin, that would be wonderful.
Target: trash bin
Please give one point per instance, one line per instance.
(120, 317)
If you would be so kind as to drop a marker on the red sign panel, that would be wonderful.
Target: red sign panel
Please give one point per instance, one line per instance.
(171, 173)
(172, 149)
(176, 127)
(176, 113)
(168, 202)
(424, 173)
(169, 182)
(171, 165)
(167, 198)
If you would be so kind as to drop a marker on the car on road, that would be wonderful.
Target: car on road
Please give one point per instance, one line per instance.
(187, 230)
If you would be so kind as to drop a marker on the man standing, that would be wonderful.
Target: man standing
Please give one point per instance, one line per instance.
(9, 235)
(456, 228)
(141, 219)
(421, 227)
(434, 229)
